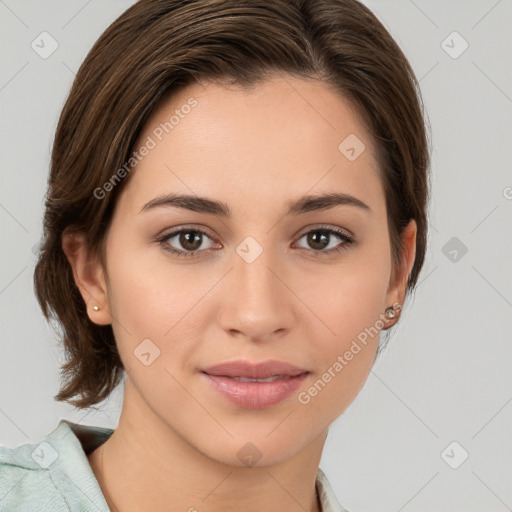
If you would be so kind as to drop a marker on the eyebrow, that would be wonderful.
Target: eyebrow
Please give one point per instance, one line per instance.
(305, 204)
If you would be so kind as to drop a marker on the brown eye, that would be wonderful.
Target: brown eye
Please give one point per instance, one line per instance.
(184, 242)
(190, 240)
(318, 240)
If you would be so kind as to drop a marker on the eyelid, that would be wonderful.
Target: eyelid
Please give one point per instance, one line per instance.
(167, 232)
(327, 227)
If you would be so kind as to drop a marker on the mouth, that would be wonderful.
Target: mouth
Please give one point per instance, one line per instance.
(255, 386)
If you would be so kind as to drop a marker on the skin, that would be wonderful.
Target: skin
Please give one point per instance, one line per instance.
(177, 440)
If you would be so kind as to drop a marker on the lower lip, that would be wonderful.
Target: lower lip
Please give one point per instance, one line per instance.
(256, 395)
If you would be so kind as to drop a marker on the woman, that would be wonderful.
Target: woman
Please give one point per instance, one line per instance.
(236, 210)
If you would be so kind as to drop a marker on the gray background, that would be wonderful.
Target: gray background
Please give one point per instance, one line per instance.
(445, 375)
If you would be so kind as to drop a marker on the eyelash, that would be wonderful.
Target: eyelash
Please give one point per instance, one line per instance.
(346, 239)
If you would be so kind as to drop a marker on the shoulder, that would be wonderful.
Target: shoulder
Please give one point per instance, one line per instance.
(54, 474)
(25, 485)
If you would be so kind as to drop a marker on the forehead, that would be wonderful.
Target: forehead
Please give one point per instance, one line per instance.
(284, 136)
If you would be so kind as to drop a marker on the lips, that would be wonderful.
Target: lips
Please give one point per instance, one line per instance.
(255, 386)
(246, 370)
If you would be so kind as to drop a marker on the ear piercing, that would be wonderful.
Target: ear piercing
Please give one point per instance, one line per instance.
(96, 308)
(390, 312)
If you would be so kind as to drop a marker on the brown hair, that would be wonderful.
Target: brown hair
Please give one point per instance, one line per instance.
(159, 46)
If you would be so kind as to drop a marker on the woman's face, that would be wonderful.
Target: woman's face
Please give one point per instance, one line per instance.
(257, 279)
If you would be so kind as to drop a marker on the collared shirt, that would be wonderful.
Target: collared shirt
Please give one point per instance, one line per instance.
(55, 475)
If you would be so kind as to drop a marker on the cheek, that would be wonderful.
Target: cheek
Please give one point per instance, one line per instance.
(149, 295)
(345, 351)
(351, 296)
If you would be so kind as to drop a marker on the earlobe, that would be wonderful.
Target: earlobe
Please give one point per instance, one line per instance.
(88, 275)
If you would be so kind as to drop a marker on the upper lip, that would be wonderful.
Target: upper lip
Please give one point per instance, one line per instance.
(249, 370)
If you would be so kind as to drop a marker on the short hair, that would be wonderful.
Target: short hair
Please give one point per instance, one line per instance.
(157, 47)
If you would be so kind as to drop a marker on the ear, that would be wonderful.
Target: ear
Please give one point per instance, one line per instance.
(400, 275)
(89, 276)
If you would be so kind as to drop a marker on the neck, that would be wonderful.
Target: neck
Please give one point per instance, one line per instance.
(146, 465)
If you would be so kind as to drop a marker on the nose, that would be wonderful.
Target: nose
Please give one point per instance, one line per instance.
(258, 302)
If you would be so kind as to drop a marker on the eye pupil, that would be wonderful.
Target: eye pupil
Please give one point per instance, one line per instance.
(189, 239)
(318, 239)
